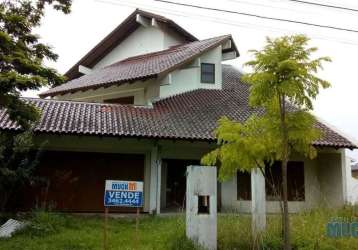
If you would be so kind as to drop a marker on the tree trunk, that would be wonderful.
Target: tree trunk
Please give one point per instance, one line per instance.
(285, 219)
(285, 156)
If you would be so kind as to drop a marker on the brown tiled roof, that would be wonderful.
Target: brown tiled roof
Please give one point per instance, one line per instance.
(120, 33)
(191, 115)
(139, 67)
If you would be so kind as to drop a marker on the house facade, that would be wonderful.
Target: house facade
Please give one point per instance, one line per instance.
(142, 105)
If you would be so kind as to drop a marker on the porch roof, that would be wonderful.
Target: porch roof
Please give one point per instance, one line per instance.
(191, 115)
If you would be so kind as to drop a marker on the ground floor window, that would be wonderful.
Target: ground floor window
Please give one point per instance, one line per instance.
(295, 182)
(243, 185)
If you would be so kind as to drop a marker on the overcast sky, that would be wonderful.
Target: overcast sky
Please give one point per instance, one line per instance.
(73, 35)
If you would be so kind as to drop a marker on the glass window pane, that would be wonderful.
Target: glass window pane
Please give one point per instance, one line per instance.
(207, 73)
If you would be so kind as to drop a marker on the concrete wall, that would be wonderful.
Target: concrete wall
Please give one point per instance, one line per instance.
(201, 227)
(332, 176)
(353, 190)
(323, 186)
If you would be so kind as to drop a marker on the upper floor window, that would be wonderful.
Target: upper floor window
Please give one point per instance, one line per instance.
(121, 100)
(208, 73)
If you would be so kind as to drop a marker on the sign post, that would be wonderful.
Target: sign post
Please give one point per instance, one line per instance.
(105, 240)
(122, 194)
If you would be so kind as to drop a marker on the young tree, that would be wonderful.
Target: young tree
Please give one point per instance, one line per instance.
(282, 85)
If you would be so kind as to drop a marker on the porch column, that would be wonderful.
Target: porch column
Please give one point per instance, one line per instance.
(155, 180)
(159, 182)
(346, 174)
(258, 201)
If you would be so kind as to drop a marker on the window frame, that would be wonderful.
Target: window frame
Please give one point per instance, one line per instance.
(202, 73)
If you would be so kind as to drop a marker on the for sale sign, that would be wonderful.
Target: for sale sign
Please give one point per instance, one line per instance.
(123, 193)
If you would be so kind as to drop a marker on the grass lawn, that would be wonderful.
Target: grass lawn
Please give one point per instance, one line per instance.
(66, 232)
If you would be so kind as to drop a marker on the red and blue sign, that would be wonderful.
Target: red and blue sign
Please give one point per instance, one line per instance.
(123, 194)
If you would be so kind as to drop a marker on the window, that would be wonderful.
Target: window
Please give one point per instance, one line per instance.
(208, 73)
(295, 181)
(243, 185)
(121, 100)
(273, 180)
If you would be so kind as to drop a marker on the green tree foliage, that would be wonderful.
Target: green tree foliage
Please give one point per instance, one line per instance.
(22, 55)
(22, 68)
(283, 83)
(18, 159)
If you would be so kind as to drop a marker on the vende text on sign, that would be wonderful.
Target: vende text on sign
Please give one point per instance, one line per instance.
(123, 193)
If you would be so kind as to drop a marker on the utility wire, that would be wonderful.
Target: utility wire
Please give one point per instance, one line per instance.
(222, 21)
(324, 5)
(258, 16)
(253, 3)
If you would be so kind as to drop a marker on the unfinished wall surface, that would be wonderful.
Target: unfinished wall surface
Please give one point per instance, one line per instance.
(201, 225)
(331, 176)
(313, 192)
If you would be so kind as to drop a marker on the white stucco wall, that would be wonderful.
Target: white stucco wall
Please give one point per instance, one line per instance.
(143, 92)
(188, 77)
(143, 40)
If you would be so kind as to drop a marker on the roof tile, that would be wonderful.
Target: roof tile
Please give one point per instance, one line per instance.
(184, 116)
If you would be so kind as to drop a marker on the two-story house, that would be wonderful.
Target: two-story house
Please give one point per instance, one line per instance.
(143, 105)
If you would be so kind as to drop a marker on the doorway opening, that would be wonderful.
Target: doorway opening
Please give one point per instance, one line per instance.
(173, 184)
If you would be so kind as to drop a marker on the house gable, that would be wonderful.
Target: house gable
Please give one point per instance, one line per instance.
(169, 32)
(143, 40)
